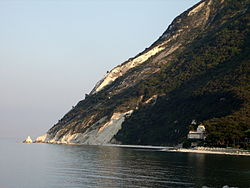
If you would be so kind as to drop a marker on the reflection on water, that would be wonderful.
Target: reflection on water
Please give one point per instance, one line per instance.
(117, 167)
(61, 166)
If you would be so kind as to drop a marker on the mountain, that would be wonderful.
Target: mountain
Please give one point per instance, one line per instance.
(197, 70)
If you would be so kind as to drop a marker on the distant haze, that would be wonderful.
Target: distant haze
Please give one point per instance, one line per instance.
(53, 52)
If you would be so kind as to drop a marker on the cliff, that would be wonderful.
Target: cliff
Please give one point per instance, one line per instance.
(198, 69)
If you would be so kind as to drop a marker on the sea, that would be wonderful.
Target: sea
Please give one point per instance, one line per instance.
(71, 166)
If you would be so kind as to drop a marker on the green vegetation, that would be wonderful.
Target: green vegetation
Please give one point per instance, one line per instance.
(207, 81)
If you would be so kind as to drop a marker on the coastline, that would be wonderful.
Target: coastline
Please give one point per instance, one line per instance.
(208, 151)
(199, 150)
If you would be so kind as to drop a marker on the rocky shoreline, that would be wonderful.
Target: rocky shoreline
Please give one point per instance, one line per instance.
(200, 150)
(207, 150)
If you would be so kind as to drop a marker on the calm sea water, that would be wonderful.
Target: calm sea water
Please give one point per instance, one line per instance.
(62, 166)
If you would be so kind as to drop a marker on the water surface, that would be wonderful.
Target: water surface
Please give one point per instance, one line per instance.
(63, 166)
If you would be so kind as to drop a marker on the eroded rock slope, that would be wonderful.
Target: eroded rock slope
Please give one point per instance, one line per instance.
(122, 96)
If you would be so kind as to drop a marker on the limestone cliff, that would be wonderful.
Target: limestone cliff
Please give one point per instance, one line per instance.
(134, 85)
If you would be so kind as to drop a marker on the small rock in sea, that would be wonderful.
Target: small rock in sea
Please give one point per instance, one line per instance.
(27, 140)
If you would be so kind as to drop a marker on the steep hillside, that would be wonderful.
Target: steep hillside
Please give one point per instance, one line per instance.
(208, 81)
(198, 69)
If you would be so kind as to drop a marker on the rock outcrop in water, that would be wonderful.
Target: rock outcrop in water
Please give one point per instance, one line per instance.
(198, 69)
(28, 140)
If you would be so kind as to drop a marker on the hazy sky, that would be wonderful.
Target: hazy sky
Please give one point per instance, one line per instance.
(52, 52)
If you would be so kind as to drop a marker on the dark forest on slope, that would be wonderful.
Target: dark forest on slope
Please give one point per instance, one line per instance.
(208, 81)
(201, 73)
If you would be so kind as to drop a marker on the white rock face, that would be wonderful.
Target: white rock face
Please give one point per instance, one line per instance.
(122, 69)
(43, 138)
(92, 136)
(28, 140)
(104, 134)
(196, 9)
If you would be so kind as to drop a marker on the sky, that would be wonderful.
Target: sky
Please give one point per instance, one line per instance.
(52, 52)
